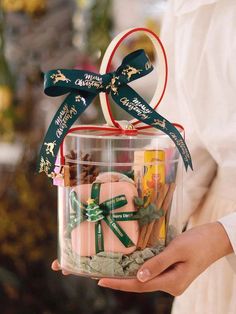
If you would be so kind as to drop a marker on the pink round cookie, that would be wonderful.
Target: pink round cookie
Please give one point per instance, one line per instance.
(83, 236)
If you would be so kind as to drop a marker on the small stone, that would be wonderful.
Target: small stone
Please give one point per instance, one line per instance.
(136, 254)
(85, 268)
(84, 260)
(112, 255)
(158, 249)
(139, 260)
(106, 266)
(126, 261)
(132, 269)
(147, 253)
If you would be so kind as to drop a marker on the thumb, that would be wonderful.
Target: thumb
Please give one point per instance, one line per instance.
(156, 265)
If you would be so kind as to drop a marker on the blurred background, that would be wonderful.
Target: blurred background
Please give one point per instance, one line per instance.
(35, 36)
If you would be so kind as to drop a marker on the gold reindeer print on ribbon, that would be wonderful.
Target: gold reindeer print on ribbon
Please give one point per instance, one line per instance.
(57, 77)
(129, 71)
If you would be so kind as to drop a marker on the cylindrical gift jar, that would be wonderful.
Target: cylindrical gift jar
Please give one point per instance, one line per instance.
(118, 200)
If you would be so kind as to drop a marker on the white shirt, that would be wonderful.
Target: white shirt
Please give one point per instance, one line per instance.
(200, 40)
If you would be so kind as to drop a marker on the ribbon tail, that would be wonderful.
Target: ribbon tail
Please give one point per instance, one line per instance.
(137, 107)
(76, 204)
(71, 108)
(119, 232)
(99, 241)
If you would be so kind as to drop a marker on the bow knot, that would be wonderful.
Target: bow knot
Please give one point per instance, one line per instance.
(113, 84)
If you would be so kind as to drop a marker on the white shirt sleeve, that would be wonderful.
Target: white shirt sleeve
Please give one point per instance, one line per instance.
(175, 109)
(200, 43)
(229, 224)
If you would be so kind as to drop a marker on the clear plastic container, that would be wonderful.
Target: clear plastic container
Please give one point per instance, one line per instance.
(118, 206)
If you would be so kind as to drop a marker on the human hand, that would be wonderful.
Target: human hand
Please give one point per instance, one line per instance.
(186, 257)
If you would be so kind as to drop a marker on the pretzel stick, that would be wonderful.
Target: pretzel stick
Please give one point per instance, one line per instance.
(153, 239)
(161, 197)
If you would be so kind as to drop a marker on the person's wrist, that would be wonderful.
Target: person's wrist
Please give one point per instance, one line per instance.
(222, 245)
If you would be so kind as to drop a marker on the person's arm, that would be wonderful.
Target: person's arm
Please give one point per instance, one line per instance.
(173, 270)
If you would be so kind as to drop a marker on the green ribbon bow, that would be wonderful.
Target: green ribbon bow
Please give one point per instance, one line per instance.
(84, 86)
(104, 214)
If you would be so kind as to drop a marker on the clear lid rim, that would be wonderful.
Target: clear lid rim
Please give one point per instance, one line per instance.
(144, 135)
(100, 163)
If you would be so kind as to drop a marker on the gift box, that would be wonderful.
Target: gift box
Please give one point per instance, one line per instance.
(119, 184)
(83, 239)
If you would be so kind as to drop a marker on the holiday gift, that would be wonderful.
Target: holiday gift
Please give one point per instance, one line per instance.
(107, 207)
(119, 184)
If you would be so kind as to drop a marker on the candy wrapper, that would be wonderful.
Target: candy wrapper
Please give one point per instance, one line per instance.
(119, 184)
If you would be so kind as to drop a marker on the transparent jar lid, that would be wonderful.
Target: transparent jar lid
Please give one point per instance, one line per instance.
(113, 147)
(149, 133)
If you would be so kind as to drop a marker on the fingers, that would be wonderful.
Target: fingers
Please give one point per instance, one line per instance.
(130, 285)
(168, 281)
(156, 265)
(56, 267)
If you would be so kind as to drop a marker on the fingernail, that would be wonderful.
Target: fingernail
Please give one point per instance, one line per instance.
(101, 284)
(143, 275)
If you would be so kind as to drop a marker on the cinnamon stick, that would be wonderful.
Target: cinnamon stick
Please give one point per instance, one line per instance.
(153, 239)
(161, 197)
(142, 237)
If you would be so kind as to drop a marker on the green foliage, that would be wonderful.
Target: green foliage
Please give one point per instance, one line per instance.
(147, 213)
